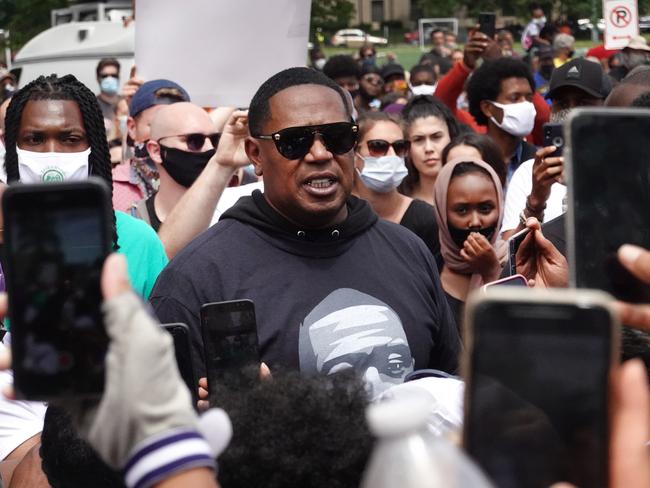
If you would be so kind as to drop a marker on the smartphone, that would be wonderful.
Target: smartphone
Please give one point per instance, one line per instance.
(514, 280)
(554, 136)
(513, 246)
(230, 343)
(537, 368)
(487, 23)
(181, 335)
(56, 237)
(608, 176)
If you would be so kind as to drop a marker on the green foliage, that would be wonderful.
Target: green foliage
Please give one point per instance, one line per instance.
(331, 15)
(26, 18)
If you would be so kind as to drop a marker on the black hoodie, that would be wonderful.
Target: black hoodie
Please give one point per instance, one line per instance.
(363, 294)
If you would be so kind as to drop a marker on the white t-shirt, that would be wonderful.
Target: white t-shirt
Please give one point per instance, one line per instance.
(519, 188)
(19, 420)
(230, 196)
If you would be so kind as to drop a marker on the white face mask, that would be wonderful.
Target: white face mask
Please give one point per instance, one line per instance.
(52, 167)
(422, 89)
(540, 20)
(382, 174)
(518, 118)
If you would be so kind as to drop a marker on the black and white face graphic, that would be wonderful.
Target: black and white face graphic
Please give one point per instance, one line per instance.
(350, 329)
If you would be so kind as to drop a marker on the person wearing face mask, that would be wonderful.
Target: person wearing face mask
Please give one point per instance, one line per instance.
(137, 178)
(451, 86)
(542, 76)
(422, 80)
(108, 77)
(469, 210)
(367, 55)
(380, 168)
(500, 95)
(55, 133)
(182, 141)
(536, 188)
(636, 53)
(530, 37)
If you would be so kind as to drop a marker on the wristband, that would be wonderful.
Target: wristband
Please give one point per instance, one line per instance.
(161, 456)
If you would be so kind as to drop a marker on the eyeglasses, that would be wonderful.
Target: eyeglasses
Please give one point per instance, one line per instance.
(295, 142)
(106, 75)
(379, 147)
(195, 142)
(374, 80)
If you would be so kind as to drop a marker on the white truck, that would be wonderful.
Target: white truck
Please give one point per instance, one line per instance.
(80, 36)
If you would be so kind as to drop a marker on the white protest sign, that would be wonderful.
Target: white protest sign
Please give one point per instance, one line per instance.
(621, 22)
(220, 51)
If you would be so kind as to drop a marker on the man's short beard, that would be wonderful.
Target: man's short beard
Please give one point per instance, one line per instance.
(560, 116)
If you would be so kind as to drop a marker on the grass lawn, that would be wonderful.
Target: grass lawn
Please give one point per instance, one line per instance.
(408, 55)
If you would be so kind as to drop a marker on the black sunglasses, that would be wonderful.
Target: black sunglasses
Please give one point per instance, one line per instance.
(295, 142)
(379, 147)
(195, 142)
(106, 75)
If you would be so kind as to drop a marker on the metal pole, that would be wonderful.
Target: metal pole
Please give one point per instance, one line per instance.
(594, 22)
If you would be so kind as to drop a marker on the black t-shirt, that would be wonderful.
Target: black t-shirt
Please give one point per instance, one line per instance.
(419, 218)
(457, 308)
(364, 294)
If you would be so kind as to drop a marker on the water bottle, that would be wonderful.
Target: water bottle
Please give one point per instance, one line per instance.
(406, 455)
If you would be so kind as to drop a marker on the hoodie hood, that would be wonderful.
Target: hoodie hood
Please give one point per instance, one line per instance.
(256, 212)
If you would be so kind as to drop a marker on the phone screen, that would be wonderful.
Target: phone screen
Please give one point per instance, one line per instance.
(56, 240)
(230, 342)
(537, 399)
(610, 188)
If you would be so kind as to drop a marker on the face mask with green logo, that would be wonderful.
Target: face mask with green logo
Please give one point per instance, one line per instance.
(52, 167)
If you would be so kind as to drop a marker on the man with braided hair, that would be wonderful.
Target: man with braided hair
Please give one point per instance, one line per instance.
(54, 132)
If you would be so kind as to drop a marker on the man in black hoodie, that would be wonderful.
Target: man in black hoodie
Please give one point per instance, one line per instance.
(334, 287)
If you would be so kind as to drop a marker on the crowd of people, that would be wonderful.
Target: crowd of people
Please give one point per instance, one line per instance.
(358, 206)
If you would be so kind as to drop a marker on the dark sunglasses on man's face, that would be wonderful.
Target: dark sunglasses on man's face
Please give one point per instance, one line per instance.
(379, 147)
(195, 142)
(295, 142)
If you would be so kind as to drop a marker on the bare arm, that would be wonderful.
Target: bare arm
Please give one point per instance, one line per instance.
(198, 478)
(193, 213)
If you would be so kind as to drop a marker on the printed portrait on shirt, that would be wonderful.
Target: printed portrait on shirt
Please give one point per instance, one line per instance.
(350, 329)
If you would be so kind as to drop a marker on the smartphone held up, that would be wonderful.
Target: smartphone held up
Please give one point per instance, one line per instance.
(537, 367)
(56, 238)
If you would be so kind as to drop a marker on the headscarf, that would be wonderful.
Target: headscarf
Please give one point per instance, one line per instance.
(450, 251)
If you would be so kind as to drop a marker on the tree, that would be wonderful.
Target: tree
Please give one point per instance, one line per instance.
(331, 15)
(26, 18)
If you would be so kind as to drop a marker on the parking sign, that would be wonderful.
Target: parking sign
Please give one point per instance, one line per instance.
(621, 22)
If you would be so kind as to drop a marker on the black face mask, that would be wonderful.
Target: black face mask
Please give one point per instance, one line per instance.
(184, 167)
(459, 236)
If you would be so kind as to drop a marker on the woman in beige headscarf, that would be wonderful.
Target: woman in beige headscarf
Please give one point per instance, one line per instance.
(469, 210)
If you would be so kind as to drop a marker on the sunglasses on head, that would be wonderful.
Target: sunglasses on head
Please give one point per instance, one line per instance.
(295, 142)
(379, 147)
(195, 142)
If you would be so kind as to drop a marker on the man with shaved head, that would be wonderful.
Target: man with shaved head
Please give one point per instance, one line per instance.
(182, 141)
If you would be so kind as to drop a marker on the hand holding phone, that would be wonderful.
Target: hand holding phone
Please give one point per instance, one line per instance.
(56, 239)
(547, 170)
(487, 23)
(537, 369)
(539, 261)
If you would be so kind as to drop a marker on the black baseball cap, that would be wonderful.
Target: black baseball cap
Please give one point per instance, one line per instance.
(391, 69)
(580, 73)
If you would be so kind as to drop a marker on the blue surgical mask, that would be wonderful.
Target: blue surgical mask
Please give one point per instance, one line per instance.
(382, 174)
(109, 85)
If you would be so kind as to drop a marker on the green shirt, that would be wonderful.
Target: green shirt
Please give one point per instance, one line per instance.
(145, 254)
